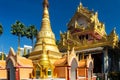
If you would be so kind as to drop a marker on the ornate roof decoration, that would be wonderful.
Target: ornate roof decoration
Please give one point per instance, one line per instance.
(84, 11)
(86, 31)
(92, 22)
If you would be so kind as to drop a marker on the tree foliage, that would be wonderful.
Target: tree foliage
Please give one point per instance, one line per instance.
(18, 29)
(31, 32)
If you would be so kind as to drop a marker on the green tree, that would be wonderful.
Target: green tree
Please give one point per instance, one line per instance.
(1, 29)
(18, 29)
(31, 33)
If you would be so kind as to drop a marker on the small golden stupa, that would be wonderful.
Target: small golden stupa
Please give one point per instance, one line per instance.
(45, 52)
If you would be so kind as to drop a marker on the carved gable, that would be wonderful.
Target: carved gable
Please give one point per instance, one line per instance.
(81, 18)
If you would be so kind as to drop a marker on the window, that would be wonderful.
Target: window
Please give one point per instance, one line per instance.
(49, 73)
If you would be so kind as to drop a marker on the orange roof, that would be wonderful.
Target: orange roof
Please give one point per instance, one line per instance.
(86, 62)
(61, 62)
(24, 62)
(2, 64)
(82, 63)
(18, 60)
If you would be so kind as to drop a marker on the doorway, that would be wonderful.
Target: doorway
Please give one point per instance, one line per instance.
(11, 71)
(97, 63)
(74, 66)
(49, 73)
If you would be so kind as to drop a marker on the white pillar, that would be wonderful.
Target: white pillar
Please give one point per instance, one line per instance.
(105, 66)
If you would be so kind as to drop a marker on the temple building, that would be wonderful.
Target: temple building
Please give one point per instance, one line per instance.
(88, 36)
(18, 68)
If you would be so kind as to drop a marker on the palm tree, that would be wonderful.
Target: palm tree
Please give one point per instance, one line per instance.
(1, 29)
(31, 33)
(18, 29)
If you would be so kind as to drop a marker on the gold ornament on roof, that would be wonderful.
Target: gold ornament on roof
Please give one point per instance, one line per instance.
(2, 56)
(45, 3)
(91, 36)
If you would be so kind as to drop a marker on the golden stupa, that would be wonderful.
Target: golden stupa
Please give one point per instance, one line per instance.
(45, 52)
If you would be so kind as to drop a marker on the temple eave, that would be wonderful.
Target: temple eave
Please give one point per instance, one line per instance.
(94, 45)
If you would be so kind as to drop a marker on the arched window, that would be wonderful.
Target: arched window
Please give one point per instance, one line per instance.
(11, 70)
(49, 72)
(74, 66)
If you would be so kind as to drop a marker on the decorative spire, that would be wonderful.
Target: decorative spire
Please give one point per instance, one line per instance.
(45, 20)
(96, 14)
(45, 32)
(2, 56)
(45, 3)
(79, 7)
(80, 4)
(113, 31)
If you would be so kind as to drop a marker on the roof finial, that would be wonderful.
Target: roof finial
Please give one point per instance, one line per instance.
(80, 4)
(45, 3)
(2, 56)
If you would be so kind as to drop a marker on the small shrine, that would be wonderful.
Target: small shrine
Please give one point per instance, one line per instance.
(18, 67)
(67, 65)
(85, 68)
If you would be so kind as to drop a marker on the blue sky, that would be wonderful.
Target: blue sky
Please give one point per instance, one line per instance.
(30, 12)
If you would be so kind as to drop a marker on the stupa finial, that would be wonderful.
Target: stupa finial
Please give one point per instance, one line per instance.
(80, 3)
(45, 3)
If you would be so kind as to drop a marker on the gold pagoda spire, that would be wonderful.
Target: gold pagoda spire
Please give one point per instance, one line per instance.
(45, 20)
(45, 3)
(46, 32)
